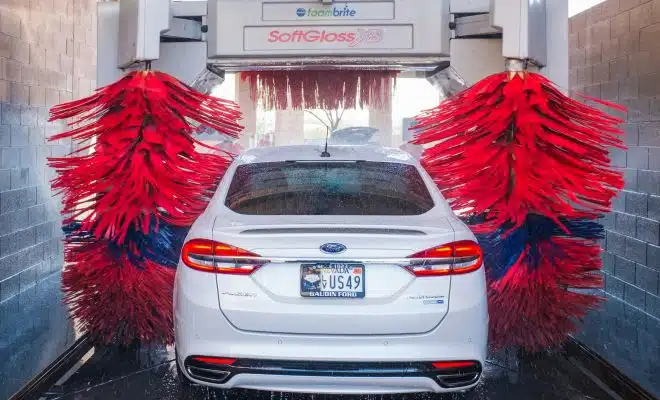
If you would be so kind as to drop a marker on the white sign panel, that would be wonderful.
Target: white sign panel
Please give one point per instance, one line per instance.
(296, 33)
(318, 38)
(317, 11)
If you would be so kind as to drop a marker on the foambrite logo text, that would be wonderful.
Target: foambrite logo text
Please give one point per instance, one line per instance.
(334, 12)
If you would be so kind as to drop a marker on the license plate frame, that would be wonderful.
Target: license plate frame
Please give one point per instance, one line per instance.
(312, 288)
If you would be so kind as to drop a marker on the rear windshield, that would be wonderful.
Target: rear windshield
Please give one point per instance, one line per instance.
(328, 188)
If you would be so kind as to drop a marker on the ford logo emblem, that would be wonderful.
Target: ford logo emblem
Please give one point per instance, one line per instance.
(333, 248)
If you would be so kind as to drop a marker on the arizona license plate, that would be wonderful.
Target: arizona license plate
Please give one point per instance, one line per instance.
(337, 280)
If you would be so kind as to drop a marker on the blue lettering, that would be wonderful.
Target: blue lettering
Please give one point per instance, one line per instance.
(328, 12)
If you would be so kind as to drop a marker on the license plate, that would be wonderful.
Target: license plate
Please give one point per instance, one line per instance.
(334, 280)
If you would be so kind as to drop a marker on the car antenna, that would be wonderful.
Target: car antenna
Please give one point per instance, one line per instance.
(325, 153)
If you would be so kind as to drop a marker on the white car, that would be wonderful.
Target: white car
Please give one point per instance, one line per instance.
(342, 274)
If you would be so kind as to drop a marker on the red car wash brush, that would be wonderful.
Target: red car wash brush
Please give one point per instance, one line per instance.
(130, 200)
(530, 169)
(321, 89)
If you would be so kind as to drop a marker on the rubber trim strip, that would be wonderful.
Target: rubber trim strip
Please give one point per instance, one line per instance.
(611, 376)
(36, 386)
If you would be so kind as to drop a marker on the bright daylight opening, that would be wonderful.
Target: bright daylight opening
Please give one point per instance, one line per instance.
(578, 6)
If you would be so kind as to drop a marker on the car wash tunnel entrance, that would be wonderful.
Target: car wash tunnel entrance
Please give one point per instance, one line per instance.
(403, 164)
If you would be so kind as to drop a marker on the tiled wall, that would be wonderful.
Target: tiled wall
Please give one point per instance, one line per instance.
(47, 56)
(615, 55)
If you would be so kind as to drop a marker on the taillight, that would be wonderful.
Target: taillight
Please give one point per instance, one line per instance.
(215, 360)
(449, 259)
(454, 364)
(209, 256)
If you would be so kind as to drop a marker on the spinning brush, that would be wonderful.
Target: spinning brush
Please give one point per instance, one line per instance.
(321, 89)
(129, 202)
(532, 165)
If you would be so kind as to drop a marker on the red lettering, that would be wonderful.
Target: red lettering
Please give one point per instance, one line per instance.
(316, 36)
(343, 37)
(312, 36)
(285, 37)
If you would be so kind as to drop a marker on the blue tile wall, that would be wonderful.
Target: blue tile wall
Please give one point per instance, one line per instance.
(29, 215)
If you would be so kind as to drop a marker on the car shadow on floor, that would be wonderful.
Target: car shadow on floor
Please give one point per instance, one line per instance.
(150, 373)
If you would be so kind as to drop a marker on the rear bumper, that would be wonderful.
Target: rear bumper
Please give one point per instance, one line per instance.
(201, 329)
(333, 385)
(337, 377)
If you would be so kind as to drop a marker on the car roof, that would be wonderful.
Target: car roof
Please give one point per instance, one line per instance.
(312, 152)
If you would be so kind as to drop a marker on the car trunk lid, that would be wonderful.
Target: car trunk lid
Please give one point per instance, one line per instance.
(394, 302)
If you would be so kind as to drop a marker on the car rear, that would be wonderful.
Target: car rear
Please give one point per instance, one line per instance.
(339, 276)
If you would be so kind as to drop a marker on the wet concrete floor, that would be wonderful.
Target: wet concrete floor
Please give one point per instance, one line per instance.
(34, 330)
(149, 373)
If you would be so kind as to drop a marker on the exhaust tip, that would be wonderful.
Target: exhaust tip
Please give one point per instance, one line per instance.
(209, 369)
(455, 374)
